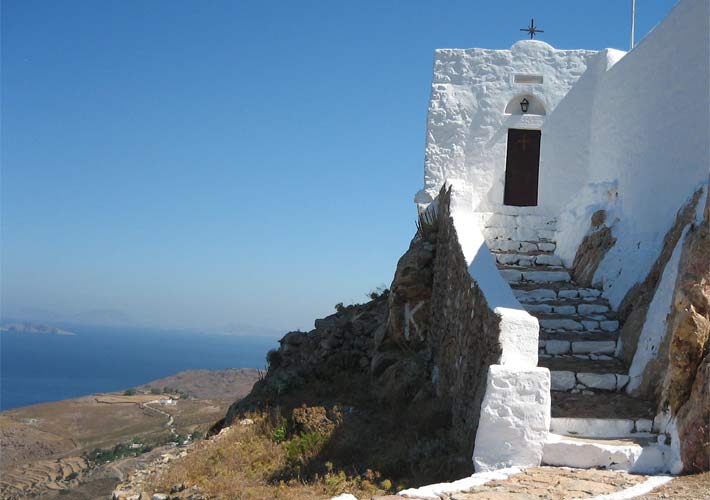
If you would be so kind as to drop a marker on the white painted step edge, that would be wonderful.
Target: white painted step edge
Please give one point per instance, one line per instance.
(563, 451)
(603, 427)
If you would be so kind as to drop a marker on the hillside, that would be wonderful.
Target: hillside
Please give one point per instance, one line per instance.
(51, 447)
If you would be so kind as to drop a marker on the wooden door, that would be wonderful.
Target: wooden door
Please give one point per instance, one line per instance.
(522, 165)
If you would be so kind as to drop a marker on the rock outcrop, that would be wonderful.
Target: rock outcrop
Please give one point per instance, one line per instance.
(592, 250)
(410, 294)
(677, 378)
(634, 307)
(687, 381)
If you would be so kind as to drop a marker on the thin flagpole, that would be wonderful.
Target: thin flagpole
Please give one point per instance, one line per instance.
(633, 22)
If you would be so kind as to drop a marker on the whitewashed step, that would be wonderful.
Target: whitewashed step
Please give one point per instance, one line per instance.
(562, 324)
(526, 274)
(588, 325)
(577, 373)
(634, 455)
(542, 294)
(589, 309)
(503, 220)
(566, 309)
(519, 233)
(547, 260)
(527, 260)
(556, 347)
(570, 381)
(535, 296)
(605, 428)
(498, 245)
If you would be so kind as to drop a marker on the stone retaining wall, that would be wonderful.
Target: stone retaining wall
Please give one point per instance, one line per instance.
(484, 347)
(464, 334)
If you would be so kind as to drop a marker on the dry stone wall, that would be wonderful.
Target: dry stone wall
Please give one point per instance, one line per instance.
(432, 341)
(464, 331)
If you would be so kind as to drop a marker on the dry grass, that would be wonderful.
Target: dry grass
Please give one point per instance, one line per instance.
(132, 399)
(252, 462)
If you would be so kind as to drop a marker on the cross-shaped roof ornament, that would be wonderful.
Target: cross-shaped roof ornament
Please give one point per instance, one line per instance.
(532, 29)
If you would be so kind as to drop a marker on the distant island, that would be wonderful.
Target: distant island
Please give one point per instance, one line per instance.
(34, 328)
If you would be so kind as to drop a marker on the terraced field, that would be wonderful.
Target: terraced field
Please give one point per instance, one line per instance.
(44, 445)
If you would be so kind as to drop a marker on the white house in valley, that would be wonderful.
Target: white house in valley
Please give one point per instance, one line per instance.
(534, 141)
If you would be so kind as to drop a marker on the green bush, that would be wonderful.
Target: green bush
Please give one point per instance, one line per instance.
(121, 450)
(279, 433)
(305, 446)
(129, 392)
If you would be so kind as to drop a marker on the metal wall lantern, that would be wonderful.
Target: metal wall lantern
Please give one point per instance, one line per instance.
(524, 105)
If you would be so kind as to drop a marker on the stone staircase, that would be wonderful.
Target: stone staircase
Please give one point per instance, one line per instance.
(594, 423)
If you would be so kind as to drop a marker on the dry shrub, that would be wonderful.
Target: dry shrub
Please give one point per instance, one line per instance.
(242, 464)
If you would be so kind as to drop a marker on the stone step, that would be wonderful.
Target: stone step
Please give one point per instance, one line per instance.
(519, 233)
(639, 455)
(576, 323)
(563, 306)
(599, 307)
(604, 405)
(526, 260)
(527, 274)
(579, 373)
(605, 428)
(515, 246)
(568, 289)
(570, 363)
(506, 220)
(555, 293)
(574, 311)
(578, 336)
(586, 382)
(562, 323)
(555, 344)
(524, 268)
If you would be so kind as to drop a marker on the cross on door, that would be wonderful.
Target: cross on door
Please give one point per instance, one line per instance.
(522, 164)
(524, 142)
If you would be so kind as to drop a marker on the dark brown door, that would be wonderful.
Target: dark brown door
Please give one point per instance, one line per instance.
(522, 164)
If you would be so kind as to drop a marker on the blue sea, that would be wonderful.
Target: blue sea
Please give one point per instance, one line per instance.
(37, 368)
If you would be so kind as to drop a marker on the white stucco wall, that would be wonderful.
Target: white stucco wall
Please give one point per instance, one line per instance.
(648, 149)
(467, 124)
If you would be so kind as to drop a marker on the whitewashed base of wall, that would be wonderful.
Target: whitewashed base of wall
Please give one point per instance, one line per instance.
(515, 418)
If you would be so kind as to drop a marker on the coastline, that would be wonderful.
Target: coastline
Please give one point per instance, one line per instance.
(126, 427)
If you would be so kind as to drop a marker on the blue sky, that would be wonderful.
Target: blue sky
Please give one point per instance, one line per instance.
(194, 163)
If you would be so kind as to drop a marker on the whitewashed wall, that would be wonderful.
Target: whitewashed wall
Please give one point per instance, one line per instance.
(648, 149)
(467, 124)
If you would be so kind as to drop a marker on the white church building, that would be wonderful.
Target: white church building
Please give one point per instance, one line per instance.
(533, 141)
